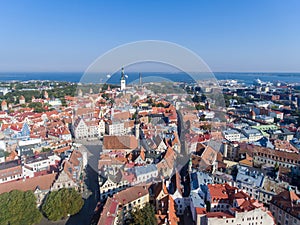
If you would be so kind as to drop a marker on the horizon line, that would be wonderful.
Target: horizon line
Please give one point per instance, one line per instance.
(2, 72)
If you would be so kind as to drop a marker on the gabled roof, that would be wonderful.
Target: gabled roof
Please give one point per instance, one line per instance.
(289, 201)
(42, 182)
(131, 194)
(109, 213)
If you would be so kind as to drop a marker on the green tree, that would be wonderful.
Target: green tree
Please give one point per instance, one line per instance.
(200, 107)
(37, 107)
(160, 105)
(18, 208)
(46, 149)
(62, 203)
(143, 216)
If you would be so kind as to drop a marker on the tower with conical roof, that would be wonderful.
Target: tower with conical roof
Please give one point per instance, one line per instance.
(123, 81)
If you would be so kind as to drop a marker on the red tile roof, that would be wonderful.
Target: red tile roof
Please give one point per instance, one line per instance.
(109, 213)
(131, 194)
(120, 142)
(289, 201)
(42, 182)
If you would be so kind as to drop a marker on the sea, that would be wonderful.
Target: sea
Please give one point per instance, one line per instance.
(246, 78)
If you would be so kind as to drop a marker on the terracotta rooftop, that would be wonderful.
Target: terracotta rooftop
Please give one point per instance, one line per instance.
(131, 194)
(109, 213)
(200, 211)
(219, 215)
(120, 142)
(42, 182)
(280, 156)
(289, 201)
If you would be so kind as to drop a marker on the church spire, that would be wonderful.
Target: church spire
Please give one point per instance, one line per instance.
(123, 81)
(122, 74)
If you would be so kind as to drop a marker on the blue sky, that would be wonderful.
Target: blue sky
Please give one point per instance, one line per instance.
(231, 35)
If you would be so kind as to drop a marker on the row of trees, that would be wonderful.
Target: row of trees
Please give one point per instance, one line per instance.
(19, 208)
(57, 92)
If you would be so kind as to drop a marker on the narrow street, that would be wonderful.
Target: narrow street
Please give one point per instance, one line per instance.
(91, 195)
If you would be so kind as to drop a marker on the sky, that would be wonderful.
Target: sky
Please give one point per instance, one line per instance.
(230, 36)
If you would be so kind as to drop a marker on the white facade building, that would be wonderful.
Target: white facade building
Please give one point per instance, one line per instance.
(80, 129)
(114, 128)
(231, 135)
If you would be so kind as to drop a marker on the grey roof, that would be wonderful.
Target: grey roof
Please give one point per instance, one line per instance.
(197, 199)
(200, 178)
(249, 176)
(264, 142)
(251, 132)
(230, 131)
(223, 176)
(39, 157)
(140, 170)
(10, 164)
(157, 140)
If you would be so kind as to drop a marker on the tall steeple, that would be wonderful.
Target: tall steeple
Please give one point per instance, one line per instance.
(123, 81)
(140, 79)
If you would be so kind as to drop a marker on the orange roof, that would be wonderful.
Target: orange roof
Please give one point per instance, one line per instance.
(122, 115)
(109, 213)
(217, 191)
(131, 194)
(287, 200)
(120, 142)
(12, 156)
(219, 215)
(61, 150)
(42, 182)
(200, 211)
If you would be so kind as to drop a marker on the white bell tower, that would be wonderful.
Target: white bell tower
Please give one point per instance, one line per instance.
(123, 81)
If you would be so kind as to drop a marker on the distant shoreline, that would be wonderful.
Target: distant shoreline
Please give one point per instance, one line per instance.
(75, 77)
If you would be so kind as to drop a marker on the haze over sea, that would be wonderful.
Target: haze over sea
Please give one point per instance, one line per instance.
(246, 78)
